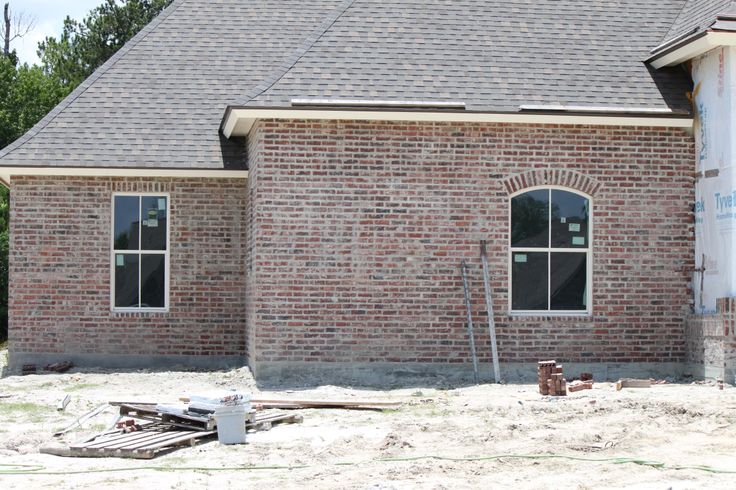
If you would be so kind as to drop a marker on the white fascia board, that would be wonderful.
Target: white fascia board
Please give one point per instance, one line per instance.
(695, 48)
(9, 171)
(239, 121)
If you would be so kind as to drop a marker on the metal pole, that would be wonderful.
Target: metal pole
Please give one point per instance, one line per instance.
(464, 267)
(489, 307)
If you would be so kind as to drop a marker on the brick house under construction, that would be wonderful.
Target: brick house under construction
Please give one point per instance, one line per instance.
(293, 185)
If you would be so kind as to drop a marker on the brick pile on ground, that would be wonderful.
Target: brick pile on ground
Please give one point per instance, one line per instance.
(551, 380)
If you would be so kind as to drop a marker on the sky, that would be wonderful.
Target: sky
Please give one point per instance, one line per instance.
(49, 15)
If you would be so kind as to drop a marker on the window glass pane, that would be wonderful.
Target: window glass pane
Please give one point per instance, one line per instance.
(530, 219)
(126, 222)
(569, 220)
(153, 226)
(569, 281)
(529, 281)
(152, 281)
(126, 281)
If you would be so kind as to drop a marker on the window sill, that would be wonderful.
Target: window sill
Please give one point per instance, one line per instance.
(133, 312)
(550, 314)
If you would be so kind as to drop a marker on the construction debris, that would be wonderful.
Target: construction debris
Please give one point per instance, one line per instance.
(719, 383)
(287, 404)
(28, 369)
(63, 403)
(82, 419)
(579, 386)
(551, 380)
(633, 383)
(59, 367)
(586, 376)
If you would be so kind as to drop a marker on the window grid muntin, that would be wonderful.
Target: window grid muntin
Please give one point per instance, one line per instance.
(140, 253)
(549, 250)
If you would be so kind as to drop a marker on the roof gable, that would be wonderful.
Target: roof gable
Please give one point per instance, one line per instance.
(159, 101)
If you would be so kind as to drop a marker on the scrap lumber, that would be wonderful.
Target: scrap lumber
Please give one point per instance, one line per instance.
(287, 404)
(63, 403)
(185, 421)
(28, 369)
(82, 419)
(5, 395)
(59, 367)
(489, 309)
(633, 383)
(153, 439)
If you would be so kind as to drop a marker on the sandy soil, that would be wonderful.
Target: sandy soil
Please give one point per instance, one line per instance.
(682, 424)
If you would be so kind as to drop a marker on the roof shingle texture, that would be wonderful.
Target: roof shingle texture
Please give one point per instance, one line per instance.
(159, 101)
(697, 15)
(492, 55)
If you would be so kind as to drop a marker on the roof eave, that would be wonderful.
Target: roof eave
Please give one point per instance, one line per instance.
(238, 121)
(692, 47)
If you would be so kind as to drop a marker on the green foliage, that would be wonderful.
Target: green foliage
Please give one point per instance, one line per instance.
(84, 46)
(26, 95)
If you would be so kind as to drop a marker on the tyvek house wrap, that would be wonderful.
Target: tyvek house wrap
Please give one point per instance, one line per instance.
(714, 77)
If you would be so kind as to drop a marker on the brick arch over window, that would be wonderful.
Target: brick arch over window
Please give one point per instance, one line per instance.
(563, 178)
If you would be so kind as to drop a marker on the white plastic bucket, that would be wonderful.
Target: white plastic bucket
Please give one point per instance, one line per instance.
(230, 424)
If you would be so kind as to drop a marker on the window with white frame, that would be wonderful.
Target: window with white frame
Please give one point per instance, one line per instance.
(140, 252)
(550, 251)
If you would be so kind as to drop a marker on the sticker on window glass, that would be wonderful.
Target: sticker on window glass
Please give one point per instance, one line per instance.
(119, 260)
(574, 227)
(563, 220)
(520, 258)
(162, 204)
(153, 223)
(578, 240)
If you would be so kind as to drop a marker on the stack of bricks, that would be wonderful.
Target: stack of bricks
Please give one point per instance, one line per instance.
(551, 381)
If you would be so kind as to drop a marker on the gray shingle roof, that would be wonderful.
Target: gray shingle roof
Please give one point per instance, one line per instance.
(159, 101)
(696, 16)
(493, 55)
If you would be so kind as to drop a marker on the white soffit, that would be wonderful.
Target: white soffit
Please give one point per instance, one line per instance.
(239, 121)
(9, 171)
(694, 48)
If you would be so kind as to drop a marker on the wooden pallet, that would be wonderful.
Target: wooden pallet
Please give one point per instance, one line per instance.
(148, 412)
(156, 438)
(153, 439)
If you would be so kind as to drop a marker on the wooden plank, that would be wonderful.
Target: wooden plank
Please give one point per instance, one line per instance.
(119, 442)
(182, 439)
(161, 439)
(633, 383)
(489, 309)
(345, 404)
(86, 453)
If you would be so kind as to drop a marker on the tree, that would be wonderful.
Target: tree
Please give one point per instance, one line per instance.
(26, 95)
(84, 46)
(14, 27)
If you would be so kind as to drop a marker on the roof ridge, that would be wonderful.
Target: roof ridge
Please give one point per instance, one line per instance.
(293, 58)
(89, 81)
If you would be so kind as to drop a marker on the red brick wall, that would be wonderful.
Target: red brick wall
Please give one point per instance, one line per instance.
(359, 229)
(60, 269)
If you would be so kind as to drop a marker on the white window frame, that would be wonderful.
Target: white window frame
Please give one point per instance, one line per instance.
(140, 252)
(549, 250)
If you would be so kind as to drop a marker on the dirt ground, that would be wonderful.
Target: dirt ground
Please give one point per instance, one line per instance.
(442, 437)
